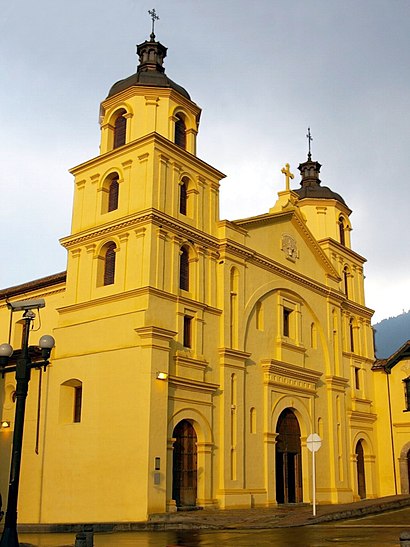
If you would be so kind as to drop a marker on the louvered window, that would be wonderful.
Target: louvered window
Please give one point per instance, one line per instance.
(180, 132)
(113, 195)
(342, 230)
(184, 270)
(109, 264)
(120, 130)
(351, 335)
(346, 281)
(183, 198)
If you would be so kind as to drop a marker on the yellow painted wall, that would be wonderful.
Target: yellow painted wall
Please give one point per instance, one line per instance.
(242, 369)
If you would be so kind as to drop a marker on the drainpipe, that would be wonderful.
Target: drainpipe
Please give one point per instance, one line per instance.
(391, 432)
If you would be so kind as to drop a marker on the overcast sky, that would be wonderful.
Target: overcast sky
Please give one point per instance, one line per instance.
(261, 70)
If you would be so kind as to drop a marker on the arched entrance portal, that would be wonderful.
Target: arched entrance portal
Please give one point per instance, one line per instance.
(361, 479)
(408, 471)
(288, 459)
(184, 474)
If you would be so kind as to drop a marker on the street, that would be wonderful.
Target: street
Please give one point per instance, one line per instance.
(378, 530)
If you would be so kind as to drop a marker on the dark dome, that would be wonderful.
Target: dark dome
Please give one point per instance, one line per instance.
(310, 183)
(150, 71)
(154, 79)
(318, 192)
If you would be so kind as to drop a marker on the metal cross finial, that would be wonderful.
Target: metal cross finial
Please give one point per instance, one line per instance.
(154, 18)
(310, 139)
(288, 175)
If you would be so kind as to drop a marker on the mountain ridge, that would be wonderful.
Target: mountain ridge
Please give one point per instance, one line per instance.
(390, 334)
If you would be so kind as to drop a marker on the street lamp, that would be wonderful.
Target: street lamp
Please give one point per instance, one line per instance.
(24, 360)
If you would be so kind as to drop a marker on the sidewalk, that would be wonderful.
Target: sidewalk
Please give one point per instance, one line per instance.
(283, 516)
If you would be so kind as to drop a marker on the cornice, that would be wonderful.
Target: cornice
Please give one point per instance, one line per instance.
(363, 417)
(153, 332)
(271, 265)
(354, 308)
(150, 91)
(152, 138)
(233, 354)
(336, 383)
(343, 250)
(281, 369)
(192, 384)
(147, 216)
(135, 293)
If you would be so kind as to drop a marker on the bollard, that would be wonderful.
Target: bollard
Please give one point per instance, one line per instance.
(89, 536)
(405, 539)
(80, 540)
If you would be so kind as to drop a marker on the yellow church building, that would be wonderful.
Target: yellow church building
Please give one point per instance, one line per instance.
(194, 356)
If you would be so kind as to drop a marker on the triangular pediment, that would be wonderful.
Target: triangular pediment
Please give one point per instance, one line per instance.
(285, 237)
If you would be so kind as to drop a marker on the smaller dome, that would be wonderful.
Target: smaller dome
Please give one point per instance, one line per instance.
(310, 183)
(150, 71)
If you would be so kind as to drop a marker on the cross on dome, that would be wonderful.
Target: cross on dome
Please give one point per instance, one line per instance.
(154, 18)
(310, 139)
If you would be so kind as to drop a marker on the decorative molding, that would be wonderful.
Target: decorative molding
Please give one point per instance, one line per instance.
(289, 247)
(192, 385)
(290, 376)
(361, 417)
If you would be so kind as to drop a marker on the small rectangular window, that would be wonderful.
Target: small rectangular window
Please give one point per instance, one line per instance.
(187, 341)
(407, 393)
(357, 377)
(286, 321)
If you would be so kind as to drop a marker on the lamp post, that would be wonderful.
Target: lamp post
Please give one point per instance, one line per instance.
(21, 365)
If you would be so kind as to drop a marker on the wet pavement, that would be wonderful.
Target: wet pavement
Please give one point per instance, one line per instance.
(373, 522)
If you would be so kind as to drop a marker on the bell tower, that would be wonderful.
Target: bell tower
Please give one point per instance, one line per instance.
(141, 279)
(147, 165)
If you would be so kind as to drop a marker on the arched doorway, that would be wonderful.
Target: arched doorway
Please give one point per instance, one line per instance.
(361, 479)
(288, 459)
(184, 471)
(408, 471)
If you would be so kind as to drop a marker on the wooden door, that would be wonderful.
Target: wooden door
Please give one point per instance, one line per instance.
(288, 459)
(361, 479)
(184, 480)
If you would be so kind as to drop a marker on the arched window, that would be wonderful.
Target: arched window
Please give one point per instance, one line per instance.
(346, 281)
(351, 334)
(252, 420)
(183, 196)
(259, 315)
(109, 264)
(313, 336)
(113, 192)
(234, 308)
(184, 269)
(120, 129)
(361, 478)
(180, 131)
(342, 228)
(71, 400)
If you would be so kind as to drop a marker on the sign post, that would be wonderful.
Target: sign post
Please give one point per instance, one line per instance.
(314, 442)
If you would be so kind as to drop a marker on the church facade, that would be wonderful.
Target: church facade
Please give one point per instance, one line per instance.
(194, 356)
